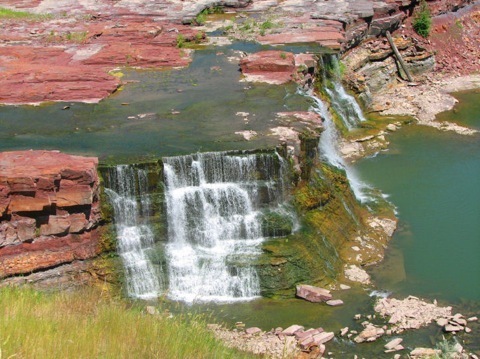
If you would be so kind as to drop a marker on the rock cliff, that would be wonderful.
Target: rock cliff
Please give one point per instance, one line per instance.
(49, 210)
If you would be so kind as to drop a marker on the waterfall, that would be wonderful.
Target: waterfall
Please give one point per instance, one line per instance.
(344, 104)
(328, 148)
(214, 203)
(131, 204)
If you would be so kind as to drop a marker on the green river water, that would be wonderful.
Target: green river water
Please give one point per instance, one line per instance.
(431, 176)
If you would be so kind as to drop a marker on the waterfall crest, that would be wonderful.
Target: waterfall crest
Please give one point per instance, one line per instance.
(214, 203)
(128, 193)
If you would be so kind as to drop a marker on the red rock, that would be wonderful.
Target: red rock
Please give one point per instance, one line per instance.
(54, 182)
(27, 204)
(76, 196)
(313, 294)
(57, 225)
(78, 222)
(25, 228)
(274, 67)
(21, 184)
(27, 257)
(4, 198)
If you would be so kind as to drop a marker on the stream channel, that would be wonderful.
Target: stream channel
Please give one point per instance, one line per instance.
(431, 176)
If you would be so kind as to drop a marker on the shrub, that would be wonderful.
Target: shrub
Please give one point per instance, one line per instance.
(422, 20)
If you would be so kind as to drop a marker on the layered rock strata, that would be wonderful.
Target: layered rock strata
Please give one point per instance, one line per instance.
(49, 210)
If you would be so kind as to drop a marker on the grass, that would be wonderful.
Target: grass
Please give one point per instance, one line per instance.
(89, 324)
(13, 14)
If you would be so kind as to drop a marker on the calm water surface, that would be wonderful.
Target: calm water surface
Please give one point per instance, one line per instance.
(433, 178)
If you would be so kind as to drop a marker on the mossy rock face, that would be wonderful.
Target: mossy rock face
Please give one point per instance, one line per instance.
(300, 258)
(108, 238)
(276, 224)
(330, 217)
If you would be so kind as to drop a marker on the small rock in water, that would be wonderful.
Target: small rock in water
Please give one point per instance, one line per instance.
(452, 328)
(343, 331)
(344, 287)
(65, 107)
(393, 343)
(391, 127)
(334, 302)
(313, 294)
(472, 319)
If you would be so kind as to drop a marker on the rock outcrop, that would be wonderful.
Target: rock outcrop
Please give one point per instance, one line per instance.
(49, 210)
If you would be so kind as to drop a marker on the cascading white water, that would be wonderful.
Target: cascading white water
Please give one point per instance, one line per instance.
(214, 223)
(344, 104)
(131, 205)
(328, 148)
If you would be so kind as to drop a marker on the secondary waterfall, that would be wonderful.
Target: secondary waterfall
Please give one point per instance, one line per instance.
(344, 104)
(131, 204)
(214, 203)
(350, 113)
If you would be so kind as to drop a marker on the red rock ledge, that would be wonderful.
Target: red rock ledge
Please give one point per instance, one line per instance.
(49, 210)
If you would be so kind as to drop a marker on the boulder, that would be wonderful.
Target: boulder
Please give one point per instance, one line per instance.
(313, 294)
(291, 330)
(253, 330)
(322, 338)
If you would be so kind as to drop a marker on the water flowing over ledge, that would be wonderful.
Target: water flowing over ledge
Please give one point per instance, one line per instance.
(131, 204)
(214, 203)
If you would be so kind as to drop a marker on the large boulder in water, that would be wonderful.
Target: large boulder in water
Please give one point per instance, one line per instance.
(313, 294)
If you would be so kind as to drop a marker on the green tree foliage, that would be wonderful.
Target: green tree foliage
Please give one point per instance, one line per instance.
(422, 21)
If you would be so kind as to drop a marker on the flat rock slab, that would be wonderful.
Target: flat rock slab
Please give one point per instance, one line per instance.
(334, 302)
(291, 330)
(313, 294)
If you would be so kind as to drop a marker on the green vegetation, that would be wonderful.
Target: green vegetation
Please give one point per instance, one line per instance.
(90, 324)
(202, 16)
(77, 37)
(283, 55)
(422, 21)
(12, 14)
(180, 41)
(447, 349)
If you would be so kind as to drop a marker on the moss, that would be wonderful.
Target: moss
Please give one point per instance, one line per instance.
(300, 258)
(276, 224)
(326, 206)
(108, 238)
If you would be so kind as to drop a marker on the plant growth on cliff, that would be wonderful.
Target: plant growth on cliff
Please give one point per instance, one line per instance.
(422, 21)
